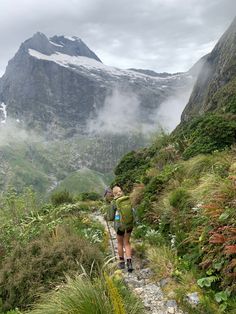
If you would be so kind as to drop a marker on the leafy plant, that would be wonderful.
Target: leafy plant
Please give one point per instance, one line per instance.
(61, 197)
(207, 281)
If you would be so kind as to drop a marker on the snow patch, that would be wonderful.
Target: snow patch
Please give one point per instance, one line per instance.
(3, 108)
(70, 38)
(90, 64)
(51, 42)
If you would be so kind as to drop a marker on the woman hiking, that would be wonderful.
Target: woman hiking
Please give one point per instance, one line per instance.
(122, 214)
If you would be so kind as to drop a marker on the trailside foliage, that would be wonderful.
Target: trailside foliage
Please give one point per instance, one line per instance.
(131, 168)
(41, 265)
(187, 196)
(206, 134)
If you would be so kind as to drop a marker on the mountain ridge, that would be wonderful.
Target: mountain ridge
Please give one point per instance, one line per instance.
(49, 87)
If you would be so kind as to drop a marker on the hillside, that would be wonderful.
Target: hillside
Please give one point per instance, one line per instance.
(184, 189)
(188, 206)
(215, 89)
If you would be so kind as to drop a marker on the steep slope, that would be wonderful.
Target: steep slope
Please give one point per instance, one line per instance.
(215, 88)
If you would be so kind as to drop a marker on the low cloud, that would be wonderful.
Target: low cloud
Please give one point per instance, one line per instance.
(12, 133)
(118, 115)
(169, 112)
(121, 114)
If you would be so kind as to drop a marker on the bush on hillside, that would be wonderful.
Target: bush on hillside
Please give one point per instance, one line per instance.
(61, 197)
(41, 265)
(131, 169)
(180, 199)
(225, 98)
(91, 196)
(209, 133)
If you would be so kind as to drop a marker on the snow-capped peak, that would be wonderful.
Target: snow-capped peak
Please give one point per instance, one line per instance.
(68, 45)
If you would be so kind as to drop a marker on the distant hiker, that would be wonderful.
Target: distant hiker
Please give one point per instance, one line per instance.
(122, 214)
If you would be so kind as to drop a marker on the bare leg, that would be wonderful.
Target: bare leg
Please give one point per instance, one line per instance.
(120, 240)
(128, 249)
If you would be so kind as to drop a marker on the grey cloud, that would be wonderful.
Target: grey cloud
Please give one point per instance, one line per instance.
(163, 35)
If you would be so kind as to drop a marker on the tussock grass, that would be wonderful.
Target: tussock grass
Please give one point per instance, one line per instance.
(79, 296)
(162, 261)
(82, 295)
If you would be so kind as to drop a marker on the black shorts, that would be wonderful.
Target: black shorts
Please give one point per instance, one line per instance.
(121, 233)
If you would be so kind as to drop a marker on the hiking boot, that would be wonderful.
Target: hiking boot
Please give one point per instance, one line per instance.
(121, 265)
(129, 266)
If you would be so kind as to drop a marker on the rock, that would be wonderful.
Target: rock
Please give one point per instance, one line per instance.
(138, 290)
(165, 281)
(193, 298)
(145, 273)
(171, 303)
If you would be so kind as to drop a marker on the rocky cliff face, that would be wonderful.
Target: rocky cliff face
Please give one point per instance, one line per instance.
(63, 110)
(215, 88)
(57, 85)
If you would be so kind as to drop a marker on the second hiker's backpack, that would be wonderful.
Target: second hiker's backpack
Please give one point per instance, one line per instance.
(125, 211)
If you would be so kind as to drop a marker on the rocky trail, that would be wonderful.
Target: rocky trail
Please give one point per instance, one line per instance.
(141, 281)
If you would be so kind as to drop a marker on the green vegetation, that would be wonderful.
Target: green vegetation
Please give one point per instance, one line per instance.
(183, 187)
(105, 294)
(78, 164)
(42, 245)
(225, 98)
(62, 197)
(41, 265)
(206, 134)
(84, 180)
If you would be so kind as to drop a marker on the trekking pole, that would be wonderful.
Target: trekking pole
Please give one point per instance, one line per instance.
(110, 235)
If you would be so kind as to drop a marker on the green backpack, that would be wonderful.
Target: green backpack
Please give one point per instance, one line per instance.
(124, 207)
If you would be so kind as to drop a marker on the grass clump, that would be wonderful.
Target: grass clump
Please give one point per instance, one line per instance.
(80, 295)
(103, 295)
(42, 264)
(162, 261)
(61, 197)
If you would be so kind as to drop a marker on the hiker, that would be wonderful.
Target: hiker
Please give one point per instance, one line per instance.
(123, 224)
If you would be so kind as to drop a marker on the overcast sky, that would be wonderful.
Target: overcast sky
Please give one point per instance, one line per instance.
(162, 35)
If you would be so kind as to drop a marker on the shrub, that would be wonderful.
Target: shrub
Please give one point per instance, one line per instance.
(41, 265)
(61, 197)
(92, 196)
(209, 133)
(180, 199)
(137, 194)
(131, 169)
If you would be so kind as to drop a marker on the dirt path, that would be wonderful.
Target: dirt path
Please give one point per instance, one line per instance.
(140, 281)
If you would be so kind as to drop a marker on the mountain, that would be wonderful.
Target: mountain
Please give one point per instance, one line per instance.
(62, 110)
(58, 85)
(215, 88)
